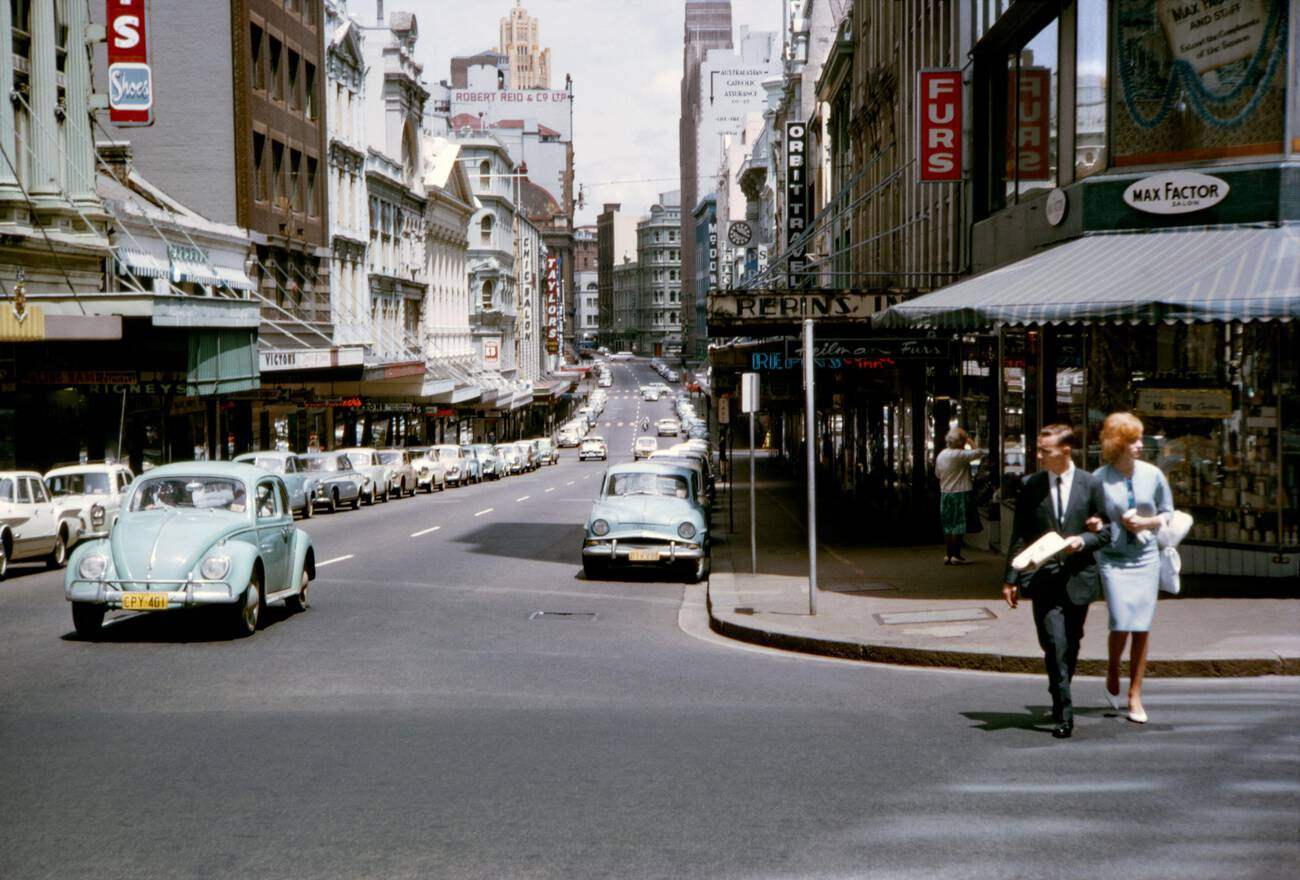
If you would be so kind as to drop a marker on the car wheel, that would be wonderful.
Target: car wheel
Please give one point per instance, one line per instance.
(299, 602)
(698, 572)
(334, 501)
(356, 501)
(309, 509)
(4, 565)
(59, 555)
(248, 610)
(87, 619)
(595, 569)
(374, 496)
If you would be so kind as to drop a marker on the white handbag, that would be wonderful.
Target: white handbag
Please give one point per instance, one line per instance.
(1168, 538)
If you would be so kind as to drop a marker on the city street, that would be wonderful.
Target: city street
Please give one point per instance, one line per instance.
(422, 719)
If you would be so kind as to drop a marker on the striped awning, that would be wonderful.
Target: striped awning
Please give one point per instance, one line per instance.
(195, 273)
(1221, 274)
(140, 264)
(235, 279)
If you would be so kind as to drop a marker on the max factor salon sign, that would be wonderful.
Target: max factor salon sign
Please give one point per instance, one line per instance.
(1175, 192)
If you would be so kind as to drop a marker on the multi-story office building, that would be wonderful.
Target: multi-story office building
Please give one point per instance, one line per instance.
(708, 26)
(586, 286)
(520, 44)
(615, 243)
(627, 301)
(345, 122)
(659, 252)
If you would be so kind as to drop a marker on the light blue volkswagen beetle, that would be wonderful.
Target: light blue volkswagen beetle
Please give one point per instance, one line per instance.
(647, 515)
(193, 534)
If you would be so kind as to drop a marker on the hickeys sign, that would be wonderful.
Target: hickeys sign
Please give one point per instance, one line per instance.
(1176, 192)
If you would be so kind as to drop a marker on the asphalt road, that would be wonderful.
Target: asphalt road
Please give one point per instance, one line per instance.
(421, 721)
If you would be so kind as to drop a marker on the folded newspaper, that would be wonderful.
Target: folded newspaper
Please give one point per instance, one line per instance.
(1039, 552)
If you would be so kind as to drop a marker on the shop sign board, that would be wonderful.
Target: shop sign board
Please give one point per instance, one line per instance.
(786, 306)
(939, 117)
(796, 219)
(713, 253)
(1033, 127)
(552, 304)
(1184, 403)
(310, 359)
(492, 352)
(1176, 192)
(1208, 35)
(130, 77)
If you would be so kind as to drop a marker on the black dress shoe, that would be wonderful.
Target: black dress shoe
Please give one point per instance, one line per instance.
(1063, 729)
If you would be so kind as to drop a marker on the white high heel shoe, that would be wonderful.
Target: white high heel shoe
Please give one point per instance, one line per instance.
(1113, 700)
(1137, 716)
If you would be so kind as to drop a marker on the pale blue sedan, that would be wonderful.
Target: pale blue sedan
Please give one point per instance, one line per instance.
(190, 535)
(647, 516)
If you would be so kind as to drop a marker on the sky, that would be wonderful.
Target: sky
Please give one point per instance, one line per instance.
(625, 57)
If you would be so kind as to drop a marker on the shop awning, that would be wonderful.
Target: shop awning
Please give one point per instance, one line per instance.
(222, 362)
(140, 264)
(235, 279)
(195, 273)
(1236, 274)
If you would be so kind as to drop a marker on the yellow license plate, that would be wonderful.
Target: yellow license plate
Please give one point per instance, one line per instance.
(643, 555)
(144, 601)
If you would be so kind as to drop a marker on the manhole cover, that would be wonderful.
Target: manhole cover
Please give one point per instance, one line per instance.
(562, 615)
(898, 617)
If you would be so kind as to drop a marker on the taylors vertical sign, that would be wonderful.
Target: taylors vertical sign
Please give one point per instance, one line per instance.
(938, 141)
(552, 304)
(130, 79)
(796, 189)
(1032, 129)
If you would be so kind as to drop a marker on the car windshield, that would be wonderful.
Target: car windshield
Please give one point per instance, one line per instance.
(646, 442)
(665, 485)
(325, 463)
(267, 463)
(446, 452)
(190, 492)
(360, 459)
(507, 450)
(78, 484)
(481, 449)
(593, 443)
(390, 457)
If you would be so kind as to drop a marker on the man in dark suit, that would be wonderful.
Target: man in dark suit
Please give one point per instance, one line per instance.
(1059, 498)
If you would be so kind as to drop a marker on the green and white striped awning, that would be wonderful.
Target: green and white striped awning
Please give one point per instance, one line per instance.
(1183, 275)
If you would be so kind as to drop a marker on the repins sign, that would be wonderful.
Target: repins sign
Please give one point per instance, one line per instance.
(1175, 192)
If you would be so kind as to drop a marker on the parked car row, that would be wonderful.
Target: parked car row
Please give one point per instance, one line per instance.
(669, 374)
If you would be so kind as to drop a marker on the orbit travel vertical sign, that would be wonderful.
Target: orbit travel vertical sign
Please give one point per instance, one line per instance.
(130, 78)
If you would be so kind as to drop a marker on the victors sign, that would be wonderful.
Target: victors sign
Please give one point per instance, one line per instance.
(130, 79)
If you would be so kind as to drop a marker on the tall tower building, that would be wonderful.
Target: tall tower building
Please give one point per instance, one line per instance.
(530, 64)
(708, 26)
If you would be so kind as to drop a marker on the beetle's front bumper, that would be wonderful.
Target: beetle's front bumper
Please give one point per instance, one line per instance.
(187, 593)
(623, 549)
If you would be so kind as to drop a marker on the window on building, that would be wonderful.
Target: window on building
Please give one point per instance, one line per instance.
(256, 60)
(278, 191)
(485, 174)
(485, 230)
(295, 91)
(311, 188)
(309, 88)
(1090, 89)
(295, 179)
(1032, 102)
(276, 49)
(488, 289)
(259, 166)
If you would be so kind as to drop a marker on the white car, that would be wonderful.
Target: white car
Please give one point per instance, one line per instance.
(668, 427)
(568, 437)
(605, 382)
(621, 356)
(650, 392)
(403, 479)
(429, 471)
(643, 447)
(32, 525)
(454, 461)
(377, 477)
(593, 447)
(94, 489)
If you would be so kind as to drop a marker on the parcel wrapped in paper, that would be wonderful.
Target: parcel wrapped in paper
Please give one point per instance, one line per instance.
(1039, 552)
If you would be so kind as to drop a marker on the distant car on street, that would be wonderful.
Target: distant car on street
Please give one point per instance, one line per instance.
(489, 463)
(378, 476)
(32, 524)
(95, 489)
(402, 477)
(302, 484)
(511, 458)
(668, 427)
(340, 483)
(230, 543)
(593, 448)
(643, 446)
(430, 473)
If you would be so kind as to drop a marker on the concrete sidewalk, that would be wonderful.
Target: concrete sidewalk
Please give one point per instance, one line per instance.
(900, 604)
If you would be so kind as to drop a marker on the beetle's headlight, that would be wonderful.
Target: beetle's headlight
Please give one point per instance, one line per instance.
(686, 530)
(600, 528)
(214, 568)
(92, 567)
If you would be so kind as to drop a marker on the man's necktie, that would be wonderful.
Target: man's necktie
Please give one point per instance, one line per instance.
(1060, 501)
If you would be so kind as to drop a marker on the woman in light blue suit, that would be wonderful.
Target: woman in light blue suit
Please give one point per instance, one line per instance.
(1138, 503)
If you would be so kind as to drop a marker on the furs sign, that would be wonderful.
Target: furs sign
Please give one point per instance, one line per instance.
(130, 79)
(938, 141)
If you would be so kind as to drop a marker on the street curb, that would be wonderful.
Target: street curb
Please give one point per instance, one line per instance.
(987, 662)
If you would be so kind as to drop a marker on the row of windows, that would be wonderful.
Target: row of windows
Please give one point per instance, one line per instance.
(282, 73)
(283, 176)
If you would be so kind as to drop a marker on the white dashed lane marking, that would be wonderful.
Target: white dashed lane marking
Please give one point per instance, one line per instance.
(552, 489)
(425, 531)
(570, 483)
(485, 511)
(334, 560)
(522, 498)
